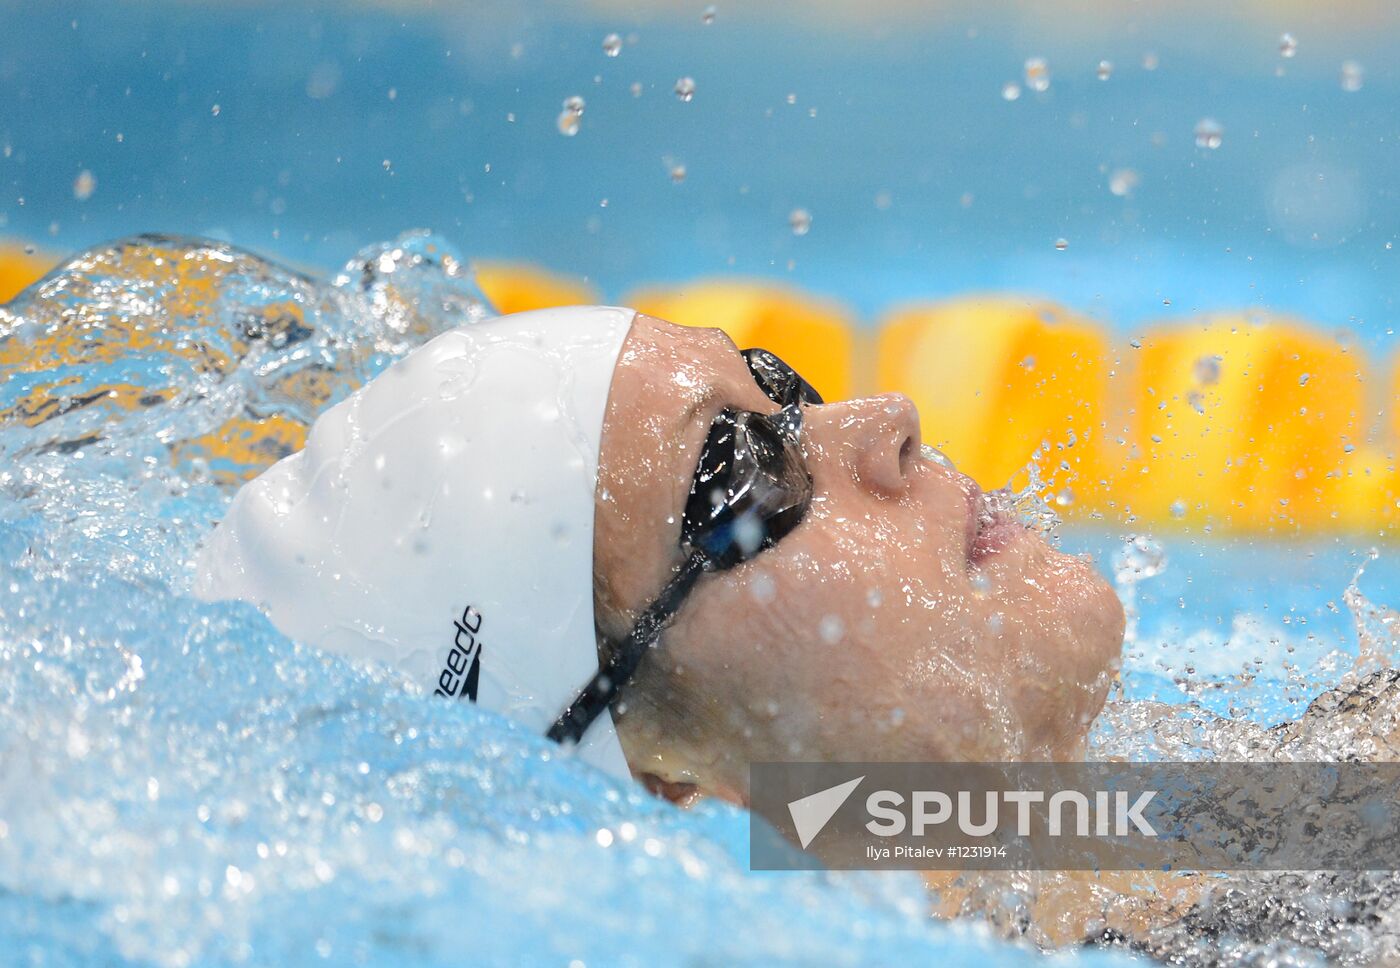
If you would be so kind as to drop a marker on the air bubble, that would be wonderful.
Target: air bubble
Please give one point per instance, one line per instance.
(1061, 244)
(612, 45)
(685, 88)
(1209, 133)
(707, 16)
(1178, 509)
(800, 221)
(1037, 74)
(1105, 70)
(1287, 45)
(1010, 91)
(981, 585)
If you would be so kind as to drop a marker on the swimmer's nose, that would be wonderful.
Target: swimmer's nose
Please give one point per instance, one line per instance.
(878, 438)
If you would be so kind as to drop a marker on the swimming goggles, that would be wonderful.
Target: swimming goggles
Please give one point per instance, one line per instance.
(751, 488)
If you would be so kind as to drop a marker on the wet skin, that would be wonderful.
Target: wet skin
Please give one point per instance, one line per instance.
(886, 626)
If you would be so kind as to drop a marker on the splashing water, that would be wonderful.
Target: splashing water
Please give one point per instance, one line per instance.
(180, 784)
(1261, 692)
(1026, 503)
(1233, 692)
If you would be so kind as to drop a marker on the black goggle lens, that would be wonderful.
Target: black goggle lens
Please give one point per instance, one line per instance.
(780, 382)
(751, 485)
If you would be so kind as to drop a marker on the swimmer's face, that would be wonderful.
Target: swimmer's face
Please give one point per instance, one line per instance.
(884, 627)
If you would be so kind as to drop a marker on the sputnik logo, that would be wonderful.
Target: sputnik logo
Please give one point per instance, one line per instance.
(811, 813)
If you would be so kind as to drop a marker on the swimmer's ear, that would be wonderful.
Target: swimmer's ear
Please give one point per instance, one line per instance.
(681, 794)
(687, 795)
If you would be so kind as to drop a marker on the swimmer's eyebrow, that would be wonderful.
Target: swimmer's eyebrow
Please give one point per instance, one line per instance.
(679, 430)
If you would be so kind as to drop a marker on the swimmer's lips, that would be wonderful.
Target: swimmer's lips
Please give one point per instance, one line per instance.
(986, 533)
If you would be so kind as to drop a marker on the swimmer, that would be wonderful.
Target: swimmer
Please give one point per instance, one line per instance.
(675, 558)
(636, 537)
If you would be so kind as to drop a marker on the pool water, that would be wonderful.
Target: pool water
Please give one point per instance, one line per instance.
(180, 784)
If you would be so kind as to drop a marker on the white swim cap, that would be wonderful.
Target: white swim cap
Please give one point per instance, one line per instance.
(440, 519)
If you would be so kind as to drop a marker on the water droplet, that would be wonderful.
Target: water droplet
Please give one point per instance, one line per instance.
(1209, 133)
(677, 171)
(1010, 91)
(1352, 76)
(1303, 379)
(1149, 61)
(763, 589)
(1178, 509)
(636, 88)
(84, 185)
(1135, 343)
(801, 221)
(749, 533)
(1037, 74)
(935, 456)
(1122, 182)
(832, 629)
(612, 45)
(685, 88)
(568, 120)
(707, 16)
(1287, 45)
(874, 597)
(1065, 498)
(1141, 557)
(981, 585)
(1061, 244)
(215, 110)
(1207, 370)
(387, 164)
(1105, 70)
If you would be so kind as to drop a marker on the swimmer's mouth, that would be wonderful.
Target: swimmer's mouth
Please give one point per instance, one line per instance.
(990, 527)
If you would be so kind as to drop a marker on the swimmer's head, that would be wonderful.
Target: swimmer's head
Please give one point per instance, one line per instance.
(826, 594)
(887, 625)
(441, 519)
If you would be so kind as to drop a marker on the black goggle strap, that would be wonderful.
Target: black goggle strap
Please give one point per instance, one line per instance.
(605, 685)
